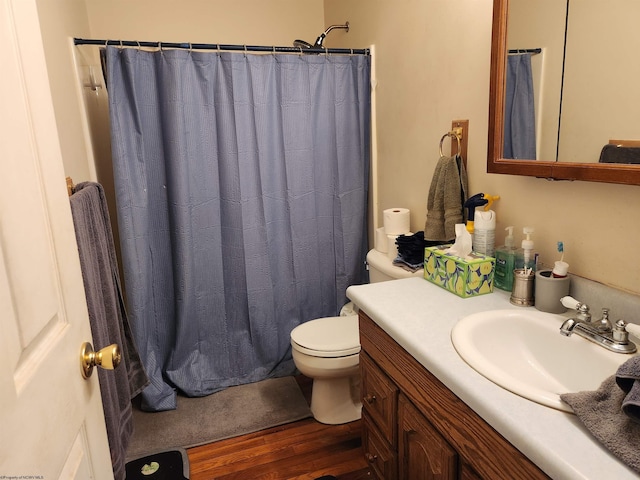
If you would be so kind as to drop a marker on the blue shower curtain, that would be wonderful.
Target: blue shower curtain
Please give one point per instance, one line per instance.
(241, 188)
(520, 118)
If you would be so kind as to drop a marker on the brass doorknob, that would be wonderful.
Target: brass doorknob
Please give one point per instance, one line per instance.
(108, 358)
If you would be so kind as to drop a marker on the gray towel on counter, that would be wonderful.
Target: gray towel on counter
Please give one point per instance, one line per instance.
(447, 194)
(628, 379)
(601, 413)
(107, 316)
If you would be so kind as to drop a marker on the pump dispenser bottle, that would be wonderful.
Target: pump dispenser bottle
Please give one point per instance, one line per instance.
(505, 262)
(524, 256)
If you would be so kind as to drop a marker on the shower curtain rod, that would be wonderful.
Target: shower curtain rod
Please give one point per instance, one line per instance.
(533, 51)
(213, 46)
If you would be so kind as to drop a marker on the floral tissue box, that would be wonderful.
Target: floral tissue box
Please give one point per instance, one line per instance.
(466, 277)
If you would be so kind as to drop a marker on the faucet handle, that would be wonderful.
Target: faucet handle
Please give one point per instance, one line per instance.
(632, 328)
(581, 308)
(572, 303)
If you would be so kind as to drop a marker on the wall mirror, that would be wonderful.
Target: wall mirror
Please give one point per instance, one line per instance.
(568, 141)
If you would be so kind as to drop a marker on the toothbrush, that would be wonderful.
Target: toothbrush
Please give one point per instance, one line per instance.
(561, 250)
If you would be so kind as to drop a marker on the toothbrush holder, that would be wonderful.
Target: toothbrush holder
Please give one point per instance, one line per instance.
(549, 290)
(522, 292)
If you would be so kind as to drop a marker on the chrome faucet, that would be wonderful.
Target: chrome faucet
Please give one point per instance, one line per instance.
(603, 332)
(604, 324)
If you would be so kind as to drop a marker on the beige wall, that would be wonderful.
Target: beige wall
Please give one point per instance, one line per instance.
(601, 91)
(250, 22)
(433, 67)
(432, 60)
(59, 22)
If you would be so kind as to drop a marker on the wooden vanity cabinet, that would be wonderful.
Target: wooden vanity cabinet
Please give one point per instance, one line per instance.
(416, 428)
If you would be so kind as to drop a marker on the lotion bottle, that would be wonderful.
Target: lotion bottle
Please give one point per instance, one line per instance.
(505, 262)
(524, 256)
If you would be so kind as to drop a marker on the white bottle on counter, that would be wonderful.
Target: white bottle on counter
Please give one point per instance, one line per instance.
(484, 235)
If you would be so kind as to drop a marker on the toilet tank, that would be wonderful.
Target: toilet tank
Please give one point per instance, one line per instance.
(381, 268)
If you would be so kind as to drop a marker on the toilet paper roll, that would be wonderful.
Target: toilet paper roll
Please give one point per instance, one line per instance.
(392, 248)
(396, 221)
(381, 240)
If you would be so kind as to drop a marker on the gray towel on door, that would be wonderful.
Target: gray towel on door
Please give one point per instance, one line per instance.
(447, 194)
(107, 316)
(628, 379)
(601, 412)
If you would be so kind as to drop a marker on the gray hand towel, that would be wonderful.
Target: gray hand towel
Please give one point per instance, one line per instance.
(628, 379)
(600, 412)
(447, 193)
(107, 316)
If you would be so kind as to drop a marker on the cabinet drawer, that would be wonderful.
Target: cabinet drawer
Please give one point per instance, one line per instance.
(381, 459)
(379, 398)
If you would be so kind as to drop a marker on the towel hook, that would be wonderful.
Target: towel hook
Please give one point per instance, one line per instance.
(452, 135)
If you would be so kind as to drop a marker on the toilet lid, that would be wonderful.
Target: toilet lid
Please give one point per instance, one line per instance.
(328, 337)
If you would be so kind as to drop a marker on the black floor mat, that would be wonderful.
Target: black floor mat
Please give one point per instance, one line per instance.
(169, 465)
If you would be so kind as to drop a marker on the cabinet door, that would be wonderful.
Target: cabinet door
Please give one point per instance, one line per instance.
(422, 452)
(379, 398)
(468, 473)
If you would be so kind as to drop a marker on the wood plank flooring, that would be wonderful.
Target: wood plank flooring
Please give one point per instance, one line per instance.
(303, 450)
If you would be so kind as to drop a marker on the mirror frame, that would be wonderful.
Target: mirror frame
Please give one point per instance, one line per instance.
(591, 172)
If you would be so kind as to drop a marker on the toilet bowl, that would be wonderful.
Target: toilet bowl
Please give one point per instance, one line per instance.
(327, 350)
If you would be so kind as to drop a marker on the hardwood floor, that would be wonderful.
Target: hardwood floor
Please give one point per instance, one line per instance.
(303, 450)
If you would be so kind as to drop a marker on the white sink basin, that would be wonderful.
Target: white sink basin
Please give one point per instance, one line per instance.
(524, 352)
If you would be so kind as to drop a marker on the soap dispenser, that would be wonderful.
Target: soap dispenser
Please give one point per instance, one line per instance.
(524, 256)
(505, 262)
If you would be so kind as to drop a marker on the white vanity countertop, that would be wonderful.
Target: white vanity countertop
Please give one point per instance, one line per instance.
(419, 316)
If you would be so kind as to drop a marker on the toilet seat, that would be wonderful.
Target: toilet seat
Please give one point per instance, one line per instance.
(327, 337)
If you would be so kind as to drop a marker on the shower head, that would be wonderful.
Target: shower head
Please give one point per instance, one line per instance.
(302, 44)
(320, 39)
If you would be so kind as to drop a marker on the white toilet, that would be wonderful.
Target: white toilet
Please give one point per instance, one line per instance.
(327, 350)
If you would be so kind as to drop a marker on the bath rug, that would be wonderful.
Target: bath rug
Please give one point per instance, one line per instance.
(169, 465)
(230, 413)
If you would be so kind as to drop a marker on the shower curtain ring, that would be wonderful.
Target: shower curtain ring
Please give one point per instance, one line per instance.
(452, 135)
(245, 50)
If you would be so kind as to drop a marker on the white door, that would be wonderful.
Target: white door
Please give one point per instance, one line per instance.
(51, 420)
